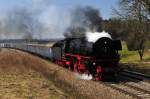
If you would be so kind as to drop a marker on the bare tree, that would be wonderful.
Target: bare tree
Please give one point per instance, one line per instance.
(136, 12)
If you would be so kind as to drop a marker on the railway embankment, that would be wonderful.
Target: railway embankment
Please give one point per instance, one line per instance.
(26, 76)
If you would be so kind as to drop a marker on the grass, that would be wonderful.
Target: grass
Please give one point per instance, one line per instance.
(131, 60)
(132, 56)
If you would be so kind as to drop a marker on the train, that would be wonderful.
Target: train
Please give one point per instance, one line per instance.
(96, 57)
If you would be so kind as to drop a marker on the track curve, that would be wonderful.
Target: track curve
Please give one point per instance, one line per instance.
(133, 84)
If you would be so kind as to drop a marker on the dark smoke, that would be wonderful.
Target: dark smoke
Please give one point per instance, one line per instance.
(84, 19)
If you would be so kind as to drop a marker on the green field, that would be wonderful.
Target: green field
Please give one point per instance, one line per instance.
(132, 56)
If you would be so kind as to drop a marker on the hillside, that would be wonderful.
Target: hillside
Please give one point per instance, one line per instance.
(19, 78)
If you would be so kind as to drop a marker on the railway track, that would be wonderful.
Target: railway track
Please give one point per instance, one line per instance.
(133, 84)
(136, 75)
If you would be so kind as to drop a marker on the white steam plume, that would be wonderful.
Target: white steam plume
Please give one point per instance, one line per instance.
(93, 37)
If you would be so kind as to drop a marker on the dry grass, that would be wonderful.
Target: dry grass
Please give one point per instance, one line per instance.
(21, 77)
(28, 83)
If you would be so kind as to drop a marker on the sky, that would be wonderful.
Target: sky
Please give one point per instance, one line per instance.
(105, 6)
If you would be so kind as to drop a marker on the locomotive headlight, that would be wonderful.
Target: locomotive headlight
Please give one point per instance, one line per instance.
(94, 64)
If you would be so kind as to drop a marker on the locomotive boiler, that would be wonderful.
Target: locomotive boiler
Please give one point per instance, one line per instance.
(96, 55)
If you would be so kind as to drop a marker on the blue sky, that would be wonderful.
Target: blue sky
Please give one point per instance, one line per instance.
(103, 5)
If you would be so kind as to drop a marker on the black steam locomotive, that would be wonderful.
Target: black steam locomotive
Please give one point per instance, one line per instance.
(99, 59)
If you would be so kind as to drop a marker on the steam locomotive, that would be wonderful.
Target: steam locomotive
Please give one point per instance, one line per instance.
(97, 56)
